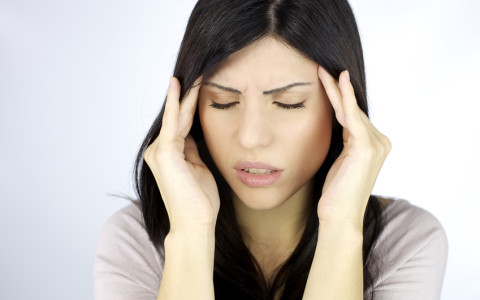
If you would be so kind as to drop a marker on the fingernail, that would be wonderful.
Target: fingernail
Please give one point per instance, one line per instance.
(170, 82)
(348, 75)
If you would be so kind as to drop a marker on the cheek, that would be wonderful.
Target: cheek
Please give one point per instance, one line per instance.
(312, 138)
(203, 116)
(207, 124)
(322, 132)
(214, 136)
(207, 121)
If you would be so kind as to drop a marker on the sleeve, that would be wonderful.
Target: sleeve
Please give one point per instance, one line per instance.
(414, 258)
(127, 265)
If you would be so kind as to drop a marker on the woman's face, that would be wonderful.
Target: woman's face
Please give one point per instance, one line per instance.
(267, 122)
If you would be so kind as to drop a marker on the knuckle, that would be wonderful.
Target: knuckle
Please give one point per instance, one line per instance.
(388, 144)
(375, 149)
(152, 153)
(384, 143)
(147, 155)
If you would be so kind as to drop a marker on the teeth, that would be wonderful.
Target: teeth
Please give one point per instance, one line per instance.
(258, 171)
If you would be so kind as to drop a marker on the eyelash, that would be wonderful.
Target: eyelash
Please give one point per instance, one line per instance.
(279, 104)
(290, 106)
(222, 106)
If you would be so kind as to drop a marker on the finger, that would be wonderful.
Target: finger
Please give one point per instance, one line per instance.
(188, 106)
(191, 151)
(352, 112)
(170, 115)
(333, 92)
(356, 121)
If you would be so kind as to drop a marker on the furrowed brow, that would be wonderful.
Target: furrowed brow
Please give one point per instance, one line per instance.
(274, 91)
(285, 88)
(224, 88)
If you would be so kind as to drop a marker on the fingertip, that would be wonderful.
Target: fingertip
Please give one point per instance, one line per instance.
(321, 71)
(344, 81)
(324, 77)
(173, 85)
(198, 81)
(344, 77)
(172, 81)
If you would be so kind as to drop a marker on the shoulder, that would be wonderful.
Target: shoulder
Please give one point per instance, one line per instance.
(410, 254)
(126, 261)
(410, 225)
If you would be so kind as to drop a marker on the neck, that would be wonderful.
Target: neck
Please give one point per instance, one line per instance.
(279, 228)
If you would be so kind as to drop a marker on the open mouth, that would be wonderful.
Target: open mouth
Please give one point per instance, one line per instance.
(258, 171)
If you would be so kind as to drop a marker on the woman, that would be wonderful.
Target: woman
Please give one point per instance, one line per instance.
(255, 179)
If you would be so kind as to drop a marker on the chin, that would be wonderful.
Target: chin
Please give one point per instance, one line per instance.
(261, 200)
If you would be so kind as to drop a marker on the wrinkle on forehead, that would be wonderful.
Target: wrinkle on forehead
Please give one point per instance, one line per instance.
(264, 65)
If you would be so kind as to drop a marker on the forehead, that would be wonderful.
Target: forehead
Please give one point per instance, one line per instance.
(264, 64)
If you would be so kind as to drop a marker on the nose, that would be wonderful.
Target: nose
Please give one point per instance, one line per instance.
(254, 130)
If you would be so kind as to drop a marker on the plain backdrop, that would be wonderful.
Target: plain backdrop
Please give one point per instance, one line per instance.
(82, 81)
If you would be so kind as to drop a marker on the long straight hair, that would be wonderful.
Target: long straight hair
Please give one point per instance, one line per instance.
(324, 31)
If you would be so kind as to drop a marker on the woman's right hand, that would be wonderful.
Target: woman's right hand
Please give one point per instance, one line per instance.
(187, 186)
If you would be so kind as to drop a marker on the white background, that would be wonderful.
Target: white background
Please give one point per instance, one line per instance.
(81, 81)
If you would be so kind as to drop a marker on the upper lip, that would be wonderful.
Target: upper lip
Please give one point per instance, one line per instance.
(254, 164)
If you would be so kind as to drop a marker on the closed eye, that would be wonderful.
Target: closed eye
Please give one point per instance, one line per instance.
(290, 106)
(223, 106)
(279, 104)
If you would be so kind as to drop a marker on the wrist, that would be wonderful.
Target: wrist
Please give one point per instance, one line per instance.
(345, 231)
(191, 233)
(189, 264)
(194, 245)
(189, 227)
(352, 221)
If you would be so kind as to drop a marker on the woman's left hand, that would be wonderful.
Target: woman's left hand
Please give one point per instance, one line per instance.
(351, 178)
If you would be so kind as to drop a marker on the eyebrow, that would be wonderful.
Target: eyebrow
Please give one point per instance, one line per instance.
(277, 90)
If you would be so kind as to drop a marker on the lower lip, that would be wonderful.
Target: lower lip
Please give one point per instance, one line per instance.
(257, 180)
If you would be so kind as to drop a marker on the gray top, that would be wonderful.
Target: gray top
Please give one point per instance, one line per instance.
(411, 254)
